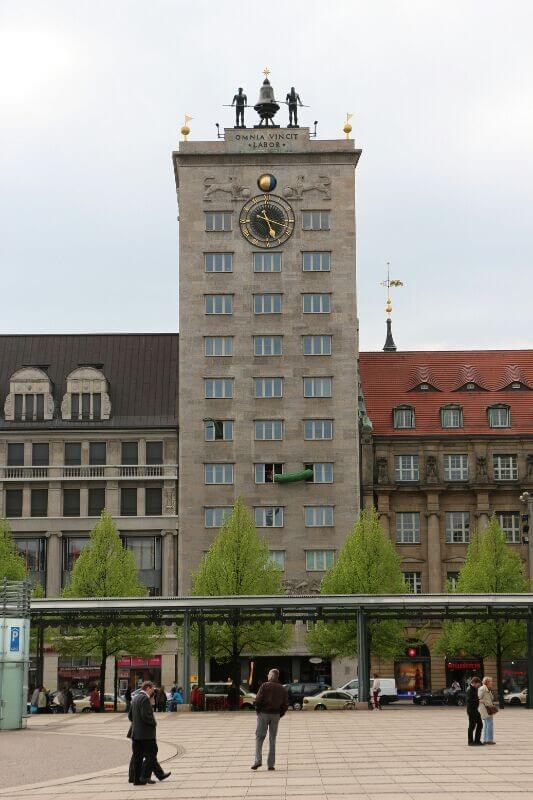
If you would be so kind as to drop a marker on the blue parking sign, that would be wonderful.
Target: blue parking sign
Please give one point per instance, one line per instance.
(14, 643)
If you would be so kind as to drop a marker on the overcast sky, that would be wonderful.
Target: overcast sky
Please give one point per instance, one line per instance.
(93, 93)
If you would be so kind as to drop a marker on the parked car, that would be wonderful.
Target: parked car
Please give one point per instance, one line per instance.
(297, 692)
(328, 701)
(516, 698)
(84, 705)
(441, 697)
(388, 693)
(216, 694)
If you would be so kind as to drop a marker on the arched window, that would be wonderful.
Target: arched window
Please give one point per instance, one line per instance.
(87, 395)
(30, 396)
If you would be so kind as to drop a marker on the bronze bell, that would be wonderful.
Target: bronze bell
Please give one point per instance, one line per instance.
(266, 106)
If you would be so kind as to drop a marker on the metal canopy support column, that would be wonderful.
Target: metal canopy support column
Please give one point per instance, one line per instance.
(362, 657)
(186, 657)
(201, 654)
(529, 699)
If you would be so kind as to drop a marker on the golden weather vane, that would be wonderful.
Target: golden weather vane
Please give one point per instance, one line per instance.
(390, 284)
(185, 130)
(347, 128)
(266, 72)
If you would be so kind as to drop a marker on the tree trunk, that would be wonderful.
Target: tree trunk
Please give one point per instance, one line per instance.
(235, 669)
(499, 675)
(102, 678)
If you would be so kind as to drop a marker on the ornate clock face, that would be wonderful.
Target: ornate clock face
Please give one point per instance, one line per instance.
(266, 221)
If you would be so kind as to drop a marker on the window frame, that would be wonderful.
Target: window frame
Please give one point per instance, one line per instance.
(226, 301)
(408, 533)
(212, 254)
(453, 532)
(261, 256)
(400, 413)
(258, 303)
(414, 581)
(513, 532)
(273, 423)
(312, 297)
(316, 253)
(448, 469)
(227, 426)
(275, 338)
(272, 396)
(314, 422)
(225, 383)
(313, 339)
(260, 471)
(224, 340)
(225, 216)
(126, 495)
(414, 469)
(313, 385)
(499, 468)
(277, 512)
(324, 220)
(213, 468)
(327, 553)
(311, 516)
(276, 561)
(451, 409)
(498, 407)
(223, 509)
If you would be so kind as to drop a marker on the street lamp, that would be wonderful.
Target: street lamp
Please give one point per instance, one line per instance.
(527, 499)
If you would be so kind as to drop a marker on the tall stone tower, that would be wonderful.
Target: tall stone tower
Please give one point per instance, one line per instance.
(268, 343)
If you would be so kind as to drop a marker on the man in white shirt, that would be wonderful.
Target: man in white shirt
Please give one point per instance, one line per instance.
(376, 688)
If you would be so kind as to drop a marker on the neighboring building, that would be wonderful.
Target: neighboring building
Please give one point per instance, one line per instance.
(450, 443)
(268, 347)
(90, 421)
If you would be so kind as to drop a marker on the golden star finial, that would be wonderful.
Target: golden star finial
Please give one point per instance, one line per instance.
(266, 72)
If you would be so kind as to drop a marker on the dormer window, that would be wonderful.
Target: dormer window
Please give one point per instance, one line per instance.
(499, 416)
(516, 385)
(30, 396)
(404, 417)
(451, 417)
(424, 387)
(470, 387)
(87, 395)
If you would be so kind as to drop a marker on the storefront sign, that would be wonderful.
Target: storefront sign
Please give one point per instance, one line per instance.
(136, 662)
(469, 665)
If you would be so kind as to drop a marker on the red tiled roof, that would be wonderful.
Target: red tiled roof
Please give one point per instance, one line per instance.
(387, 381)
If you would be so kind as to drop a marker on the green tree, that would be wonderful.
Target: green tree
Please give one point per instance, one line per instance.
(105, 568)
(238, 563)
(367, 564)
(12, 564)
(491, 567)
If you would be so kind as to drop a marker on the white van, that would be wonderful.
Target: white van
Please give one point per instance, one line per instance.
(388, 693)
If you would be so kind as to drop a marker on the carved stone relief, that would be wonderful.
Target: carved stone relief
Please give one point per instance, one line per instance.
(231, 187)
(322, 186)
(302, 586)
(382, 470)
(170, 500)
(432, 473)
(529, 467)
(481, 469)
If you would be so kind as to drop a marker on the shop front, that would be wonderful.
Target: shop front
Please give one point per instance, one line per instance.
(132, 671)
(254, 671)
(514, 675)
(412, 671)
(78, 673)
(461, 668)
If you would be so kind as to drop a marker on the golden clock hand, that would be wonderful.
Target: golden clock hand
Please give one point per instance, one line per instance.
(275, 222)
(271, 230)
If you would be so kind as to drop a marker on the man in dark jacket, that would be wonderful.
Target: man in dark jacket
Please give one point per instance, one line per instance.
(143, 738)
(475, 724)
(271, 703)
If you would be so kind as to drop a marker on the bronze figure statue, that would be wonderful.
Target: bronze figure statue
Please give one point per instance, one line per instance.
(240, 101)
(293, 101)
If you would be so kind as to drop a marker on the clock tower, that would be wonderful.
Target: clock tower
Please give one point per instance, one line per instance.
(268, 344)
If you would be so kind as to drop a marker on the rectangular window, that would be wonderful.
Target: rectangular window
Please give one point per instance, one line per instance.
(277, 557)
(18, 407)
(153, 501)
(215, 516)
(15, 454)
(268, 430)
(317, 387)
(39, 407)
(264, 473)
(71, 502)
(319, 560)
(33, 552)
(413, 581)
(39, 502)
(505, 468)
(96, 500)
(404, 418)
(267, 303)
(316, 345)
(86, 406)
(218, 262)
(97, 453)
(268, 387)
(318, 516)
(267, 262)
(315, 429)
(28, 411)
(218, 430)
(406, 468)
(97, 405)
(451, 417)
(268, 345)
(317, 261)
(128, 502)
(456, 467)
(269, 517)
(130, 453)
(218, 220)
(13, 502)
(322, 472)
(316, 220)
(74, 405)
(457, 525)
(499, 417)
(146, 552)
(154, 452)
(316, 303)
(510, 525)
(218, 345)
(452, 578)
(73, 546)
(218, 303)
(218, 473)
(72, 454)
(408, 527)
(218, 388)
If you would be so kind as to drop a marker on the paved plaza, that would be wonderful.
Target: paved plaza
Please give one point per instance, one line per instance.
(399, 754)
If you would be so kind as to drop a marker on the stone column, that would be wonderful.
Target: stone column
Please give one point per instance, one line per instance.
(26, 501)
(84, 501)
(434, 555)
(141, 501)
(54, 564)
(2, 511)
(482, 510)
(384, 513)
(113, 498)
(54, 499)
(168, 563)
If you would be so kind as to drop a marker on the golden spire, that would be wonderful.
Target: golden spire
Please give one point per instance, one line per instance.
(347, 128)
(185, 130)
(388, 283)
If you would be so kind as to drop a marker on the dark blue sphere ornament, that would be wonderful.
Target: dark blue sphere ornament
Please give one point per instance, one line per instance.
(267, 183)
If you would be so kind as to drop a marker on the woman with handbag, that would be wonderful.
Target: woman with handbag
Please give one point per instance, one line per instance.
(487, 709)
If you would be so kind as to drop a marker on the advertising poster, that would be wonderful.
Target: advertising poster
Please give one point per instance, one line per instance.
(409, 676)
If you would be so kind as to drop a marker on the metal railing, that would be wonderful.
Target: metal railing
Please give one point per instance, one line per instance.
(88, 471)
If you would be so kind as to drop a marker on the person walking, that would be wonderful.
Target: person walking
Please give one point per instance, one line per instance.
(271, 703)
(94, 699)
(376, 689)
(487, 709)
(161, 699)
(234, 696)
(177, 700)
(42, 701)
(69, 701)
(127, 698)
(475, 723)
(143, 738)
